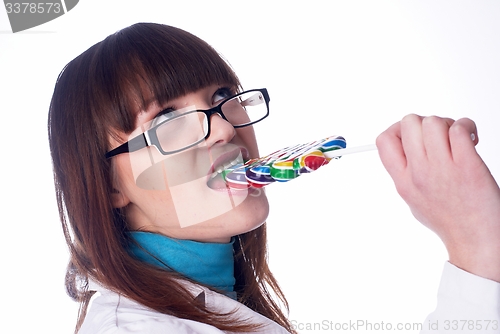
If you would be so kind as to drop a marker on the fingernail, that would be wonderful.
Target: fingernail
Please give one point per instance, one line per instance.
(472, 136)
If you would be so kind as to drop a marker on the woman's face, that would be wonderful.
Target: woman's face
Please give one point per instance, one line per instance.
(181, 195)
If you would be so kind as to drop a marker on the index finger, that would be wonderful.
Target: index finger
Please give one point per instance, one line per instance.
(390, 149)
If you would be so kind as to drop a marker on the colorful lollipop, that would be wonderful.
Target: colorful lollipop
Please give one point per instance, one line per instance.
(284, 165)
(291, 162)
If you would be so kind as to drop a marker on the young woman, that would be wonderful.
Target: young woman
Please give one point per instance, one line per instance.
(142, 78)
(141, 126)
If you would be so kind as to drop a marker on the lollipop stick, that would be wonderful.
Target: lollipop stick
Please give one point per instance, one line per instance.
(349, 150)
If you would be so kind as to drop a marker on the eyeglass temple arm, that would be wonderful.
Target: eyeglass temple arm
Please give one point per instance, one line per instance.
(132, 145)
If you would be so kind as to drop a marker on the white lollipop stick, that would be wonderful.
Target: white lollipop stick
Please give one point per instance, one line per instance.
(349, 150)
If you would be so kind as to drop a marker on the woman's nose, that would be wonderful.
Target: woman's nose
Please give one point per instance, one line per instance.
(221, 131)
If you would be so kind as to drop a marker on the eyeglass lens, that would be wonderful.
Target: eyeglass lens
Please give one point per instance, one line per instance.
(192, 127)
(182, 131)
(246, 108)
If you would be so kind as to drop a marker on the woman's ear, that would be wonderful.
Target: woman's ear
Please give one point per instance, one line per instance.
(118, 199)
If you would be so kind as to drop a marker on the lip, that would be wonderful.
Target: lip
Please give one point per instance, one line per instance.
(228, 157)
(237, 192)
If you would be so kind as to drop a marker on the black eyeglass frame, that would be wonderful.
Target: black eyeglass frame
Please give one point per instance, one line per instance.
(150, 138)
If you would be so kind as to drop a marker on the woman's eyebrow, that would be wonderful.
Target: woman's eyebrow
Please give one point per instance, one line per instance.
(148, 105)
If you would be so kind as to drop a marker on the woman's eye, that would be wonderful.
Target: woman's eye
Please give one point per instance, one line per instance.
(221, 94)
(163, 116)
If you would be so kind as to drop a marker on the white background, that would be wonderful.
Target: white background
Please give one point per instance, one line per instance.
(342, 243)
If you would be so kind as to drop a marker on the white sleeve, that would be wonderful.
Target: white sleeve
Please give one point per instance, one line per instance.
(466, 304)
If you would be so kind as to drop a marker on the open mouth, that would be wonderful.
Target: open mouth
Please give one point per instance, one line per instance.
(224, 164)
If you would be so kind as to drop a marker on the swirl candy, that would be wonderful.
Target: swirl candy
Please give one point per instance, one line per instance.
(283, 165)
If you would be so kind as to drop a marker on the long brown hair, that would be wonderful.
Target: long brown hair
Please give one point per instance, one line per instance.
(99, 92)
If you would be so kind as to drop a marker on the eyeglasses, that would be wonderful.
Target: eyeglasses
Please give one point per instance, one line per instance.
(171, 133)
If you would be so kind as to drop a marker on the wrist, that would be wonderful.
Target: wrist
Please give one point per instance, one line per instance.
(483, 261)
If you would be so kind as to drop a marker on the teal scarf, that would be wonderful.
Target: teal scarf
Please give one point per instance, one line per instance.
(210, 264)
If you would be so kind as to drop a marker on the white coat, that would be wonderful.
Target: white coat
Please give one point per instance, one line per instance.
(466, 304)
(111, 313)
